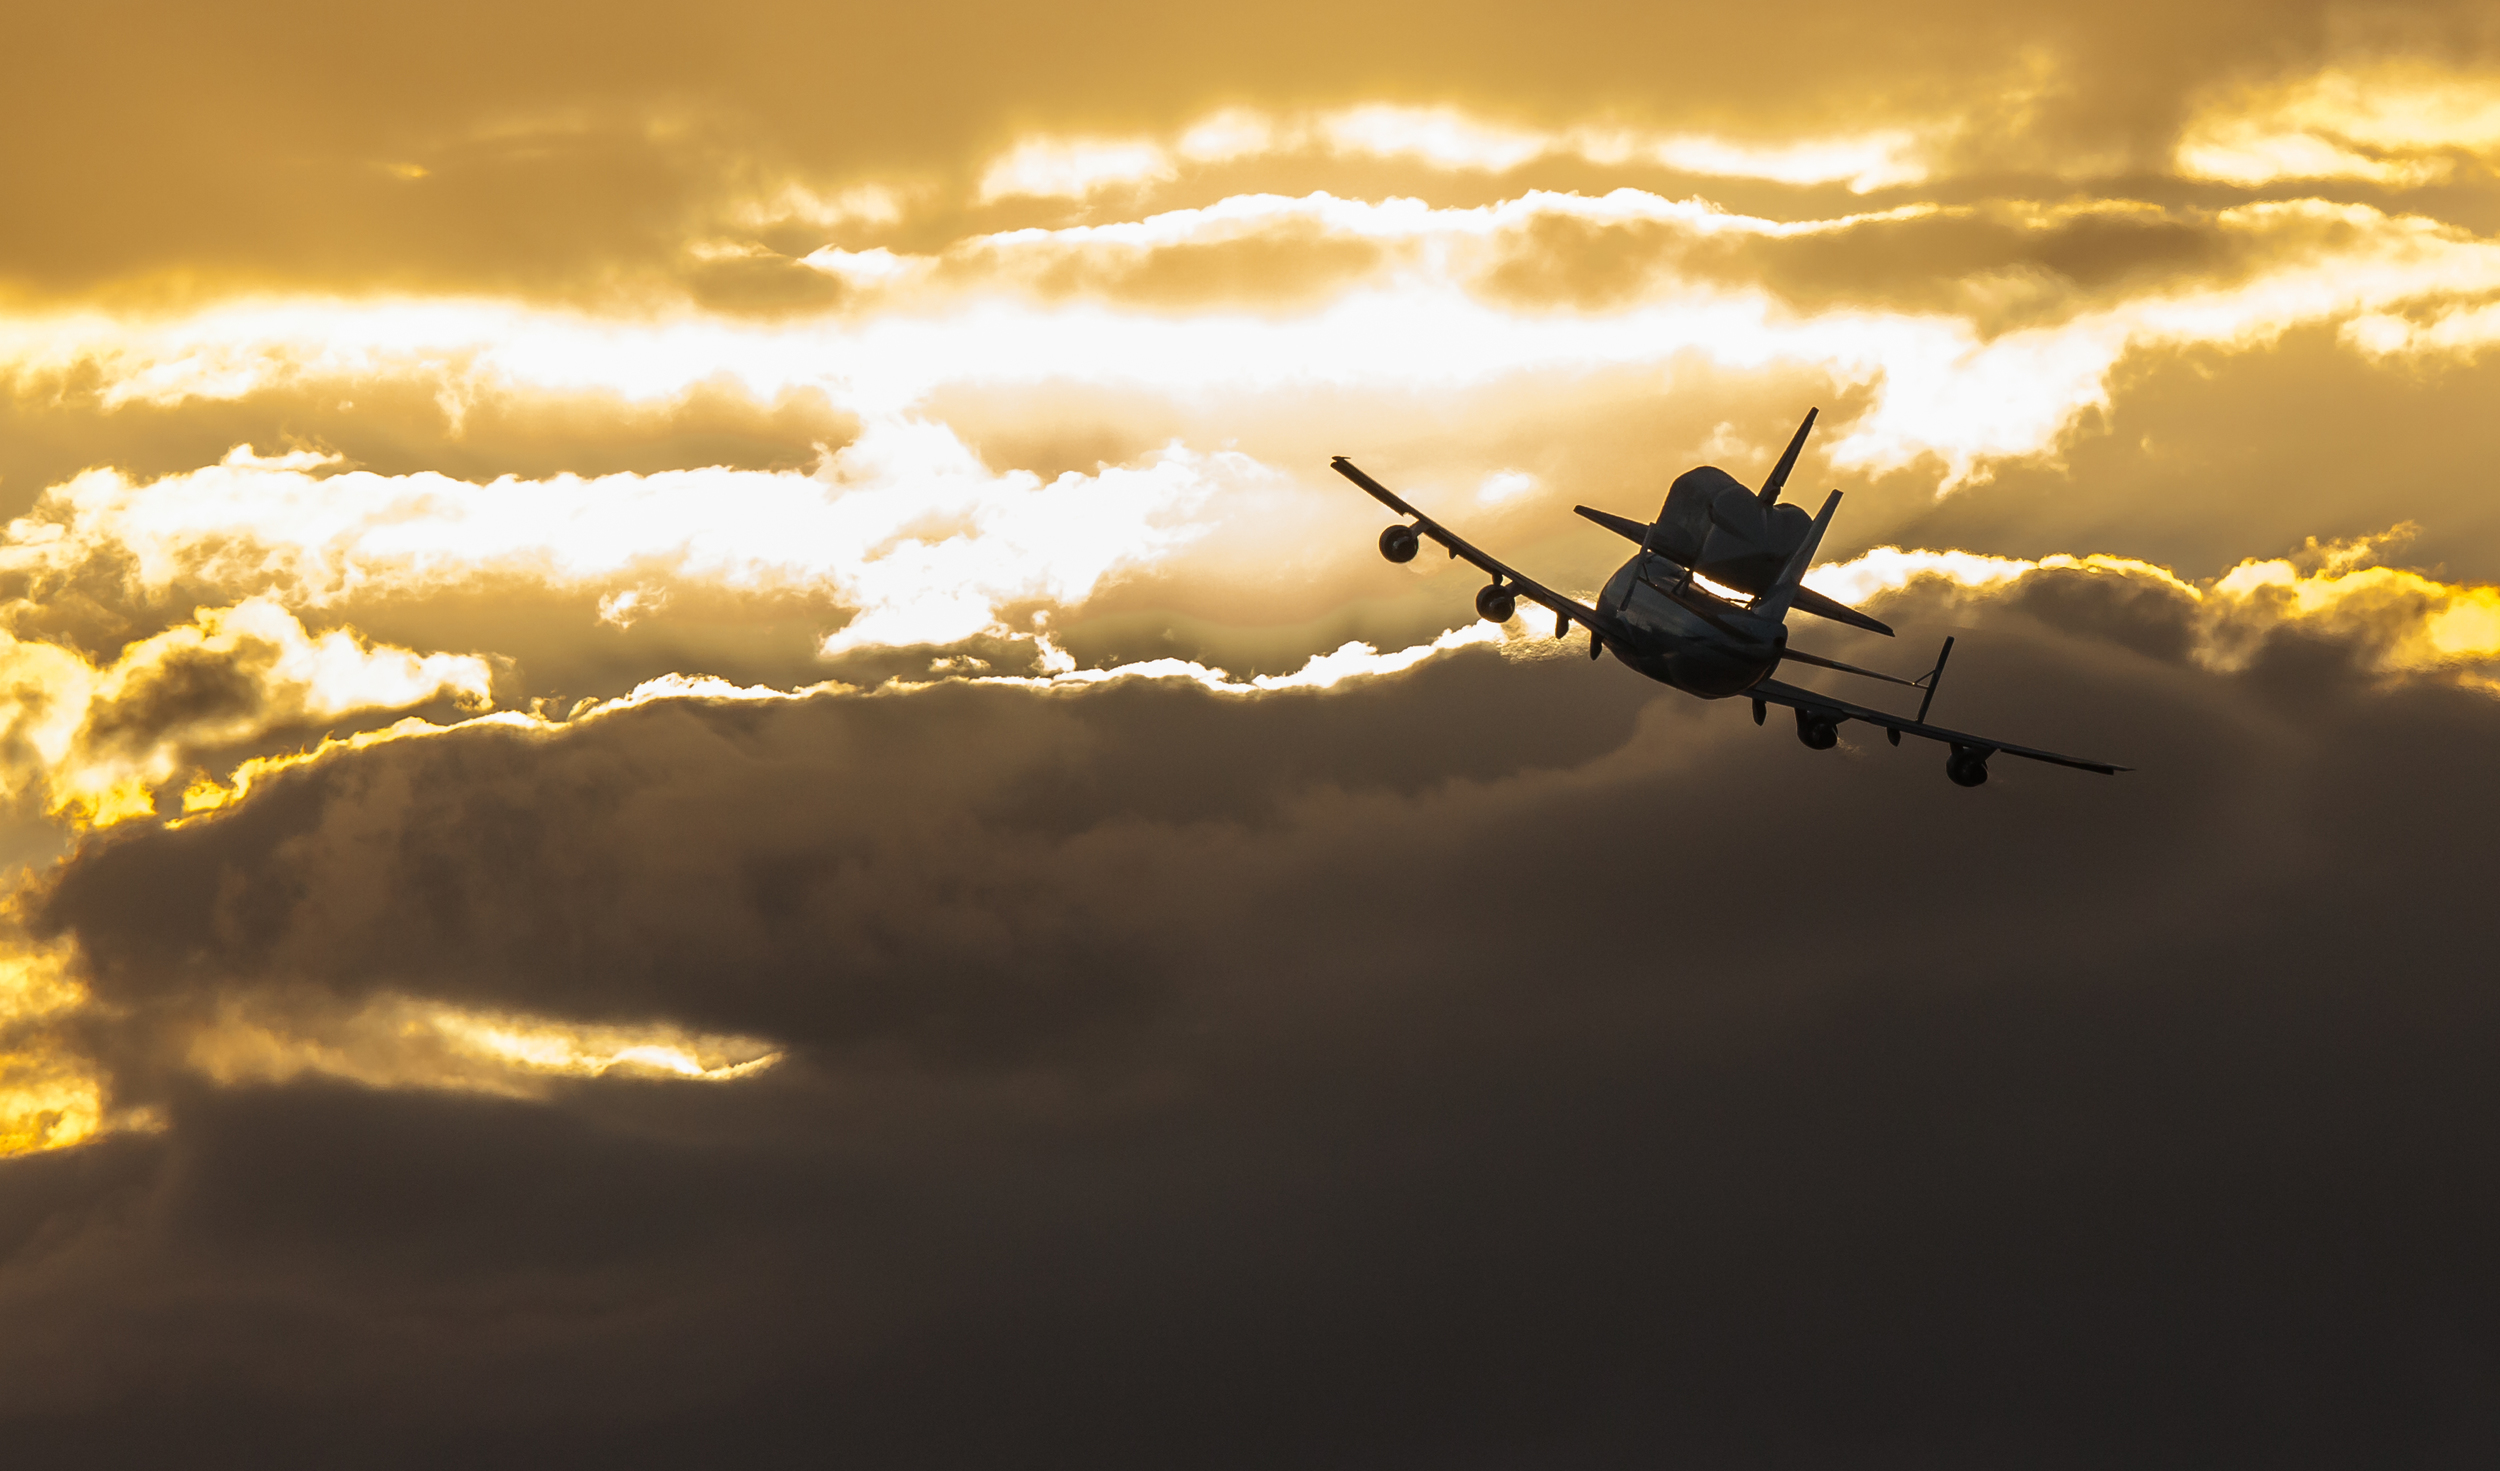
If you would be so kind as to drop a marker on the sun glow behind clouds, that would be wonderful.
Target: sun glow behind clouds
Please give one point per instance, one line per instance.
(1448, 139)
(1432, 315)
(91, 743)
(1071, 167)
(904, 525)
(49, 1097)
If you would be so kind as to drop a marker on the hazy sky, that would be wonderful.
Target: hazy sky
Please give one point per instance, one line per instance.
(701, 767)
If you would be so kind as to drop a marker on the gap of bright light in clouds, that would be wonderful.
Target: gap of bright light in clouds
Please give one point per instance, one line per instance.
(2400, 123)
(410, 1042)
(1445, 138)
(90, 742)
(2409, 623)
(1941, 384)
(904, 525)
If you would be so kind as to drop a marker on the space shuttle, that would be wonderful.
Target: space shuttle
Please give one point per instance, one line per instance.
(1738, 538)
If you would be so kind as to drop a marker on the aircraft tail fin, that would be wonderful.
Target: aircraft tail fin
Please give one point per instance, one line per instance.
(1776, 599)
(1934, 677)
(1770, 492)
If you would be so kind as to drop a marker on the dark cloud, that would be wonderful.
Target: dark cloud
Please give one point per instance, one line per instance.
(2001, 267)
(891, 892)
(185, 687)
(1289, 269)
(1503, 1064)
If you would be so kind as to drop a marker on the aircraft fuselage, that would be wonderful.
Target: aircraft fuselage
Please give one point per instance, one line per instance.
(1680, 635)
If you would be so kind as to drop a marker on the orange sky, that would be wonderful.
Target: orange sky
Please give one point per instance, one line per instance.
(445, 363)
(384, 386)
(451, 363)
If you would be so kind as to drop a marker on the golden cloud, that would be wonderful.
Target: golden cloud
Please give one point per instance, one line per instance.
(2405, 622)
(49, 1097)
(408, 1042)
(54, 1097)
(2402, 123)
(1976, 333)
(48, 1100)
(1445, 138)
(92, 743)
(905, 525)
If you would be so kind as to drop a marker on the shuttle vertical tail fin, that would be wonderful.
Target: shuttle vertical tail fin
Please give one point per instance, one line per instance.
(1776, 599)
(1770, 492)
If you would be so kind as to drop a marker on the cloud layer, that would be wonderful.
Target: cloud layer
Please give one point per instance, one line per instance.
(701, 767)
(1191, 1051)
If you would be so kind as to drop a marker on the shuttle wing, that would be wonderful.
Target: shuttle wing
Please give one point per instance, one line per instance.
(1565, 610)
(1808, 600)
(1776, 693)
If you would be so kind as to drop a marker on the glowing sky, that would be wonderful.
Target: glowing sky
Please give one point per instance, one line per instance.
(752, 593)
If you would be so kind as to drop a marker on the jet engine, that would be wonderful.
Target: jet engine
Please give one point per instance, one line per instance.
(1818, 734)
(1398, 543)
(1968, 766)
(1494, 603)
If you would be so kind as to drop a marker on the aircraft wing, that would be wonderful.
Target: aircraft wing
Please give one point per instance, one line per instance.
(1776, 693)
(1565, 609)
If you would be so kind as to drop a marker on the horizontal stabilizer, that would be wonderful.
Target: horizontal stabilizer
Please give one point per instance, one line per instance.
(1623, 526)
(1799, 656)
(1810, 601)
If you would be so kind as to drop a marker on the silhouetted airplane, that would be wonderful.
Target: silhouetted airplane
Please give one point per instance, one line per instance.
(1656, 615)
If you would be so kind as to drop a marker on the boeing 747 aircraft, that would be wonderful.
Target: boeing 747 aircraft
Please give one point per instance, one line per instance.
(1660, 615)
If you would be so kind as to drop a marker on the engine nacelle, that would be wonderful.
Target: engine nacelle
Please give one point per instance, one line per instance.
(1818, 733)
(1967, 766)
(1495, 604)
(1398, 543)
